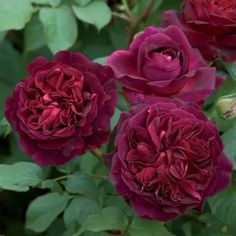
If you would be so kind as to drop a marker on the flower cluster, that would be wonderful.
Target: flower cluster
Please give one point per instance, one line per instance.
(167, 158)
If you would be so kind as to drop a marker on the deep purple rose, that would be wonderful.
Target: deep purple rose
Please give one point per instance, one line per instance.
(168, 159)
(210, 26)
(161, 63)
(63, 108)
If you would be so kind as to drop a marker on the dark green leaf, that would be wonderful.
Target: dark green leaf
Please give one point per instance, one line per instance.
(223, 205)
(229, 140)
(44, 210)
(82, 184)
(141, 227)
(79, 210)
(109, 218)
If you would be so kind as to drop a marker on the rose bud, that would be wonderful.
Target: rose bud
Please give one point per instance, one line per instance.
(226, 106)
(62, 108)
(209, 25)
(168, 158)
(161, 63)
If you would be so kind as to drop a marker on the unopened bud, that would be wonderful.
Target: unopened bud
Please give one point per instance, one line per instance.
(226, 106)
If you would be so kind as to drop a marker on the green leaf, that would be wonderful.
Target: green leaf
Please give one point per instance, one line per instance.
(5, 91)
(70, 166)
(11, 68)
(53, 3)
(44, 210)
(88, 163)
(79, 210)
(101, 60)
(141, 227)
(82, 3)
(229, 140)
(2, 35)
(20, 176)
(109, 218)
(5, 128)
(231, 68)
(115, 118)
(82, 184)
(96, 13)
(52, 185)
(60, 27)
(14, 14)
(223, 205)
(33, 34)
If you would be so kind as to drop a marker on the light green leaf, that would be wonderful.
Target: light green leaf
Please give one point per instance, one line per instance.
(96, 13)
(82, 184)
(33, 34)
(53, 3)
(115, 118)
(44, 210)
(223, 205)
(229, 140)
(52, 185)
(20, 176)
(60, 27)
(231, 68)
(5, 127)
(79, 210)
(101, 60)
(109, 218)
(141, 227)
(14, 14)
(82, 3)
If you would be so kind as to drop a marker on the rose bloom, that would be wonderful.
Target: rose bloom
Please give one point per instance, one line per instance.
(63, 108)
(210, 26)
(168, 159)
(161, 63)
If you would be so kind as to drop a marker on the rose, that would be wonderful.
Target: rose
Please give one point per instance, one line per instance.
(168, 158)
(209, 25)
(63, 108)
(161, 63)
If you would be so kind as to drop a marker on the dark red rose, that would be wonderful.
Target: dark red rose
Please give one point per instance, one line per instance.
(168, 159)
(161, 63)
(210, 26)
(63, 108)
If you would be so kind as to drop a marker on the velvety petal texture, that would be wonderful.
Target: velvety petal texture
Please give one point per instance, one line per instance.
(209, 25)
(168, 158)
(161, 63)
(63, 108)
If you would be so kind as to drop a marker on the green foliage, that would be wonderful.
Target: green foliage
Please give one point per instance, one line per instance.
(77, 198)
(79, 209)
(89, 14)
(223, 205)
(229, 140)
(141, 227)
(82, 184)
(14, 14)
(19, 176)
(44, 210)
(57, 33)
(110, 218)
